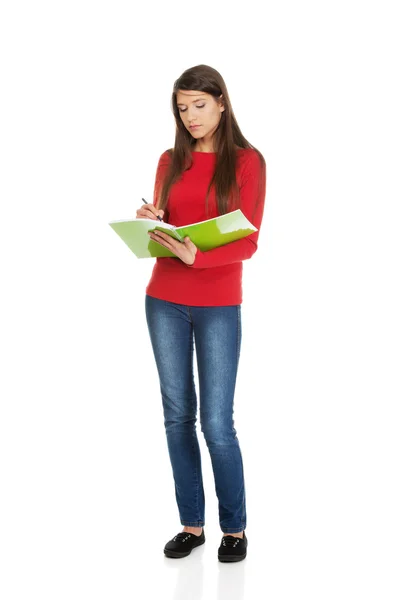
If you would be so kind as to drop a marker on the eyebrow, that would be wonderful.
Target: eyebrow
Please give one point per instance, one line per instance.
(180, 103)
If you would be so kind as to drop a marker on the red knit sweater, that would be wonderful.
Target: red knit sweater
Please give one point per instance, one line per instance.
(215, 277)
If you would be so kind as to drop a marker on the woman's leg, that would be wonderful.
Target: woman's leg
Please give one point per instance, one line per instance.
(171, 333)
(218, 334)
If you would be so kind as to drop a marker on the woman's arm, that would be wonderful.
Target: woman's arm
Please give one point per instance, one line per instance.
(161, 170)
(252, 199)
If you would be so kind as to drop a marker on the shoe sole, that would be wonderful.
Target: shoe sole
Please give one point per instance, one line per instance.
(173, 554)
(231, 558)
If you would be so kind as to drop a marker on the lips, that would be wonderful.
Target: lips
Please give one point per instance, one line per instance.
(194, 126)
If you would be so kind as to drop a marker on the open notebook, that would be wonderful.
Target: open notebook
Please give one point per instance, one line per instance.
(206, 235)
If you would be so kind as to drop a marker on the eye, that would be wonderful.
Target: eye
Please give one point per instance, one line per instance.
(185, 109)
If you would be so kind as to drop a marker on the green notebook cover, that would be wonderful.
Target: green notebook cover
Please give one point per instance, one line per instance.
(206, 235)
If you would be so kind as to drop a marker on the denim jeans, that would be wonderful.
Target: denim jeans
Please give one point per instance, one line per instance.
(216, 332)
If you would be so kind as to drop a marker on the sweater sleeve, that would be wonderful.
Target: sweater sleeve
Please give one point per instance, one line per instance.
(252, 200)
(162, 167)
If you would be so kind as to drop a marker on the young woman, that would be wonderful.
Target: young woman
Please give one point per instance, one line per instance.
(195, 298)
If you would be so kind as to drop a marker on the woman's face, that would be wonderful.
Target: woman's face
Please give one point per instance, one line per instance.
(199, 108)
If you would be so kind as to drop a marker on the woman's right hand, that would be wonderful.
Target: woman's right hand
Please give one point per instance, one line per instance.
(149, 211)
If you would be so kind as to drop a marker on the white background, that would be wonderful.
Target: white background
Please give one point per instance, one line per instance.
(87, 501)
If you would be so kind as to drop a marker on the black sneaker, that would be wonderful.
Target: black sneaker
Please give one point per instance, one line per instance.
(232, 548)
(183, 543)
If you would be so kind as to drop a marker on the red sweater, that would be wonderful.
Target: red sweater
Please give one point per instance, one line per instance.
(215, 277)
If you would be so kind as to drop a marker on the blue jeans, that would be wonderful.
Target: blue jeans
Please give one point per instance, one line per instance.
(216, 331)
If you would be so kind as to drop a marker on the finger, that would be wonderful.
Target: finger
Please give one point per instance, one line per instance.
(167, 238)
(160, 239)
(154, 210)
(189, 243)
(164, 243)
(148, 212)
(145, 214)
(159, 243)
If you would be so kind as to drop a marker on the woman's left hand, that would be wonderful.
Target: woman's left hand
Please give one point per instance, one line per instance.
(185, 250)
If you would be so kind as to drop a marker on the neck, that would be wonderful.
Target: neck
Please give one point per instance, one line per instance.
(196, 148)
(203, 149)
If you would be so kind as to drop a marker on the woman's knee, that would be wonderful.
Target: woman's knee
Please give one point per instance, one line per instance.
(217, 430)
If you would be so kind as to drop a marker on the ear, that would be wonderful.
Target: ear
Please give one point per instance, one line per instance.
(221, 104)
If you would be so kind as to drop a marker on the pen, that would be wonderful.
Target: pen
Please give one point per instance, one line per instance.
(158, 216)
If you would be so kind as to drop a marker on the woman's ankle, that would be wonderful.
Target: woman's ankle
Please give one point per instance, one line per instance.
(195, 530)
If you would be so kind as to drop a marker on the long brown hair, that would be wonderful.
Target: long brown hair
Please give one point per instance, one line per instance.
(227, 138)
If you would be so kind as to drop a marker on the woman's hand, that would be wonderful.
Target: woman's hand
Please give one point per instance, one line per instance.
(149, 211)
(185, 250)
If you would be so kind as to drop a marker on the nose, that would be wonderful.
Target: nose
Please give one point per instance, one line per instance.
(192, 120)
